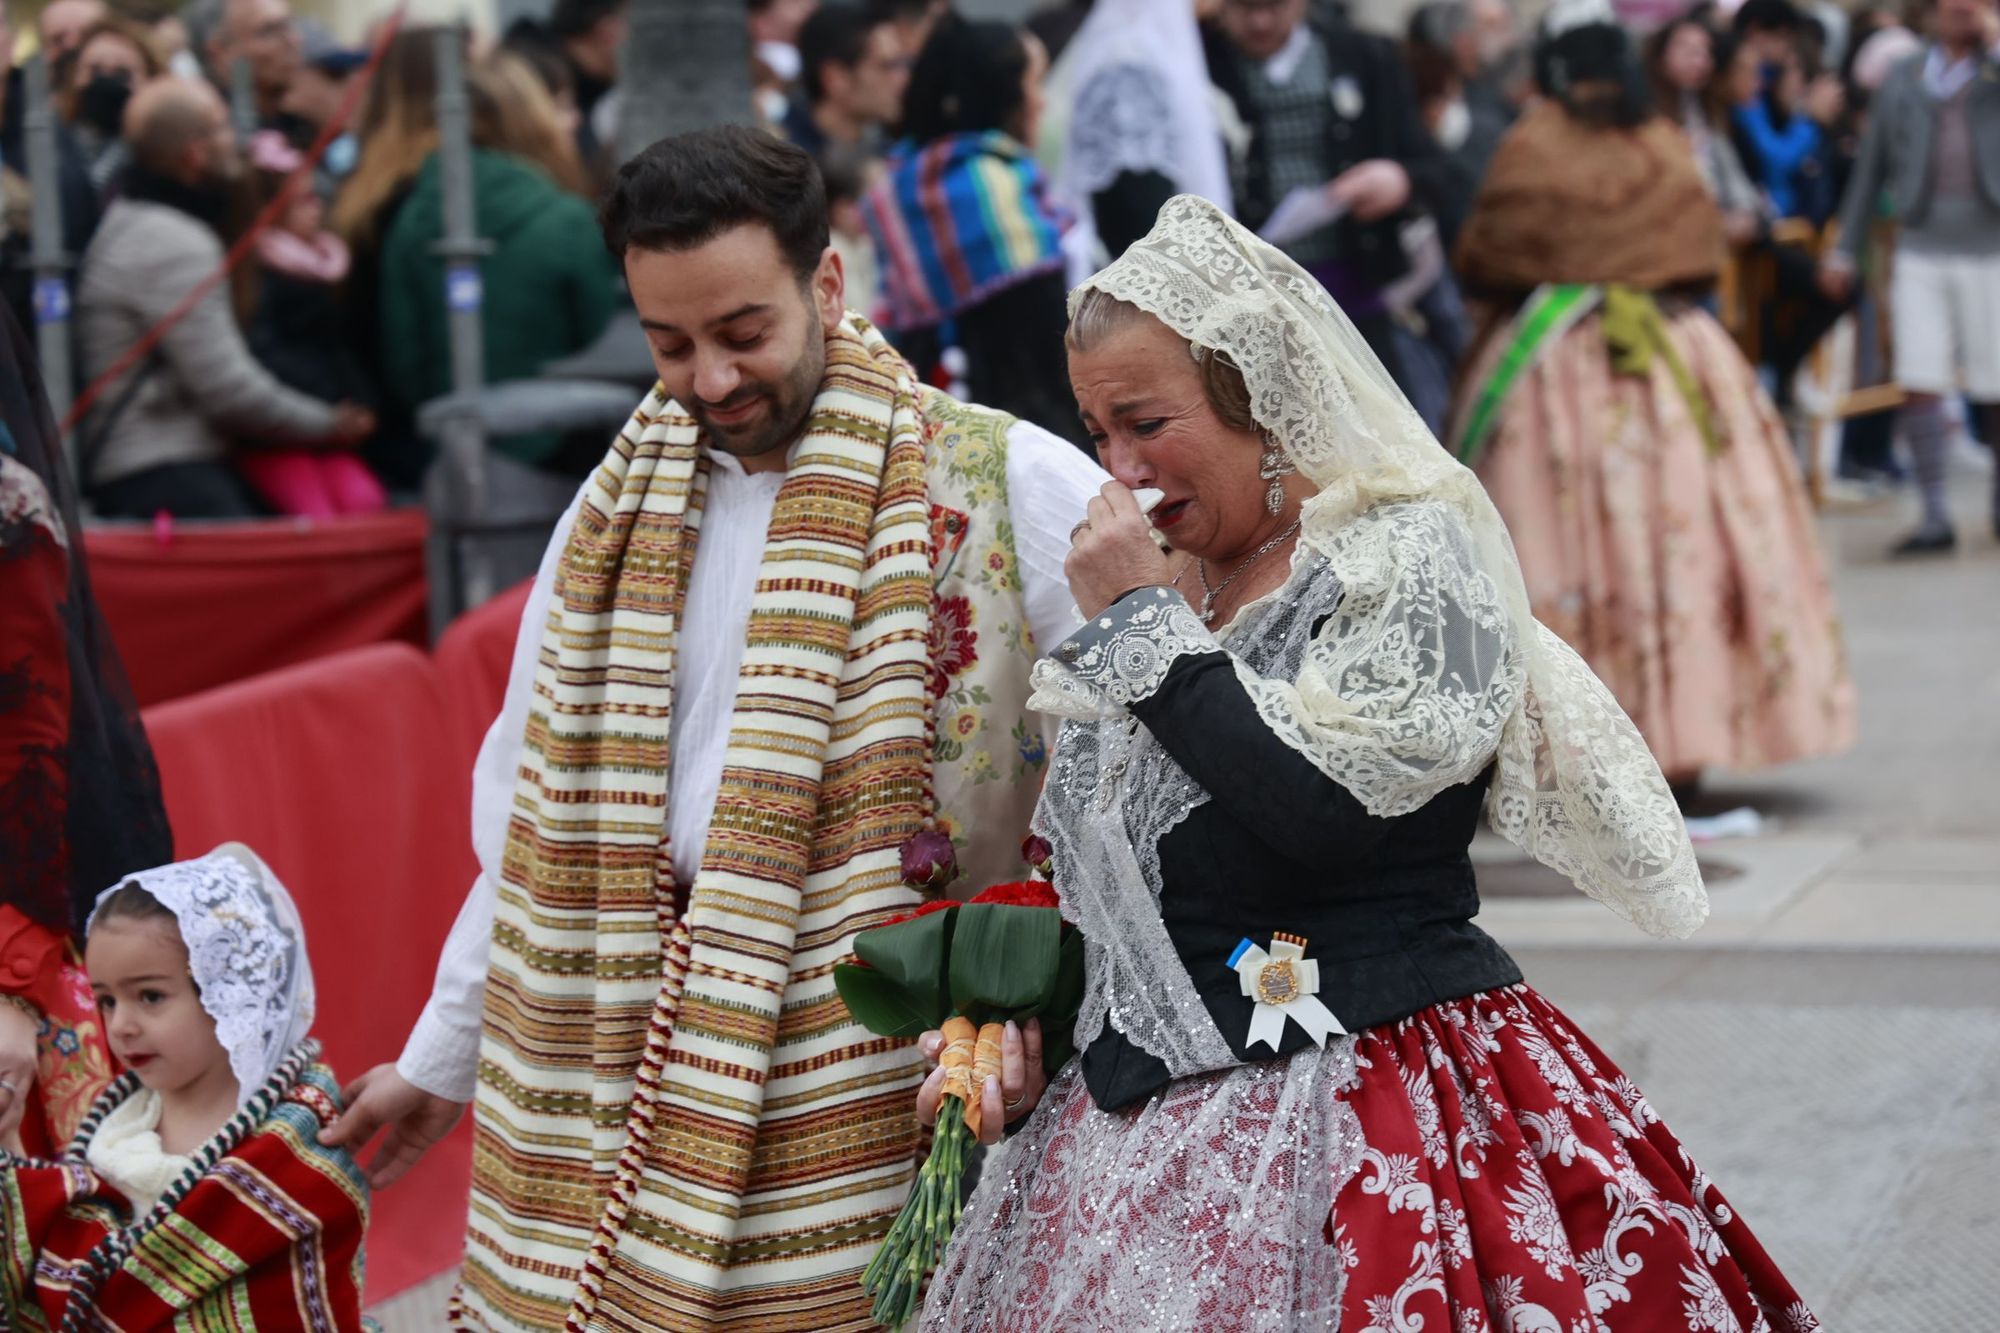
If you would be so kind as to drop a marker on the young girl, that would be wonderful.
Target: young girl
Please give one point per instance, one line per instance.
(196, 1189)
(297, 332)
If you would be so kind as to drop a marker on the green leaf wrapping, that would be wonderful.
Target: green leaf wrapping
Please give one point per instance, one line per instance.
(1003, 960)
(910, 956)
(879, 1004)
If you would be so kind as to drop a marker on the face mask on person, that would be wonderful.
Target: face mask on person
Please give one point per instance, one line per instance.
(101, 103)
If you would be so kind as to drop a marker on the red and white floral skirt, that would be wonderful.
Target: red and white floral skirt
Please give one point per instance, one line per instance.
(1515, 1181)
(1480, 1167)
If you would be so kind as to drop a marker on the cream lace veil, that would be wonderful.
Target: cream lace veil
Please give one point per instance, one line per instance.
(247, 951)
(1432, 666)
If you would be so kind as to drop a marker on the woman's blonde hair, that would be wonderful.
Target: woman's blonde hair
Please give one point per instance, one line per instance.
(397, 131)
(1099, 314)
(512, 113)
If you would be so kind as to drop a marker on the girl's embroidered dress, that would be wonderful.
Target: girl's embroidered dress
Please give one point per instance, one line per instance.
(263, 1232)
(259, 1228)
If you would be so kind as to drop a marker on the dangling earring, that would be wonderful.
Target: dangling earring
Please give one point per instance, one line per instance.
(1274, 467)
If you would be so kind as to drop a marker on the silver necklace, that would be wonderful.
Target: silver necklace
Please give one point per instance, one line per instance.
(1208, 594)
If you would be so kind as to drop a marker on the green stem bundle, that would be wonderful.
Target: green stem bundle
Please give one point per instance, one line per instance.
(917, 1239)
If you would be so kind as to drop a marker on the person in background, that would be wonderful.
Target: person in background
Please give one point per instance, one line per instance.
(1142, 124)
(80, 801)
(113, 58)
(295, 332)
(397, 132)
(1695, 86)
(589, 34)
(852, 74)
(63, 23)
(78, 200)
(261, 33)
(1932, 150)
(549, 286)
(1331, 107)
(1660, 519)
(161, 435)
(774, 35)
(1868, 439)
(915, 20)
(1057, 23)
(1447, 69)
(969, 239)
(849, 174)
(314, 99)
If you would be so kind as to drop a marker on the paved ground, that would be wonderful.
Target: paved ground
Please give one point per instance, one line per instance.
(1829, 1046)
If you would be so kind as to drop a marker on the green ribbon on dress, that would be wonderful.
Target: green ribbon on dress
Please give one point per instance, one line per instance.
(1634, 330)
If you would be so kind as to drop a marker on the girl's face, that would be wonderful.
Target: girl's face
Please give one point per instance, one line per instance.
(305, 216)
(152, 1013)
(1689, 59)
(1146, 412)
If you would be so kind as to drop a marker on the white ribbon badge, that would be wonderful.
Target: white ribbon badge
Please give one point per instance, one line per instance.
(1284, 983)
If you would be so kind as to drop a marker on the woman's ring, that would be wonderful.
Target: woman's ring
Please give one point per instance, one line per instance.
(1081, 527)
(1015, 1105)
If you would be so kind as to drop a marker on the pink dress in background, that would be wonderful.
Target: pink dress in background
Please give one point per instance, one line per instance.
(1691, 581)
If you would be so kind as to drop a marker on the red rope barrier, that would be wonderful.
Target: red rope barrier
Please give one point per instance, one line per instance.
(144, 347)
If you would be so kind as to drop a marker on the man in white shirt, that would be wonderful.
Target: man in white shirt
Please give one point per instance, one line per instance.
(712, 758)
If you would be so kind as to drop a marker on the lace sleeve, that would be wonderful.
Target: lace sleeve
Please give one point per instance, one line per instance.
(1121, 655)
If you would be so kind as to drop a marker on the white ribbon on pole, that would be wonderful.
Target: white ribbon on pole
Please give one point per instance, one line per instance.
(1285, 984)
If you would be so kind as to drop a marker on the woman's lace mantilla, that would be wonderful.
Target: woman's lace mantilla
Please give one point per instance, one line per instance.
(1433, 667)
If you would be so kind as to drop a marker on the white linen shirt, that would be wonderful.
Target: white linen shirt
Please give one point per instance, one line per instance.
(1049, 484)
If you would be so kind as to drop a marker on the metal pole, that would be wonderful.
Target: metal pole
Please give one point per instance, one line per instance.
(469, 578)
(46, 255)
(242, 99)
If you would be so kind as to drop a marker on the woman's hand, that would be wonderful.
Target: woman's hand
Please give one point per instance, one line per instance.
(1112, 551)
(17, 1071)
(1003, 1100)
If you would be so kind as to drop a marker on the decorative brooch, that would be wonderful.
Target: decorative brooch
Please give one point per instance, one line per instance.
(1285, 984)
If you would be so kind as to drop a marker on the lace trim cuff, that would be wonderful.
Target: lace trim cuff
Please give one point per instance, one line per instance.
(1123, 654)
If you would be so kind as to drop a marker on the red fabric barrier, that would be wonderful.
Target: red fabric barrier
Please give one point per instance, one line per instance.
(213, 603)
(473, 656)
(350, 777)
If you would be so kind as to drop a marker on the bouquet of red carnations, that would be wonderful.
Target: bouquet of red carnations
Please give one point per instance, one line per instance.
(965, 970)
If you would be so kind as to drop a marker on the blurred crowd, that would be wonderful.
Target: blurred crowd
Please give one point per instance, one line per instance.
(976, 170)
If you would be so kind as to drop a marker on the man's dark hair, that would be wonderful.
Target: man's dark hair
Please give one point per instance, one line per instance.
(574, 18)
(1769, 16)
(689, 189)
(967, 80)
(837, 33)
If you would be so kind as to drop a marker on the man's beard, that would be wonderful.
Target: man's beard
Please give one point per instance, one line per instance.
(786, 406)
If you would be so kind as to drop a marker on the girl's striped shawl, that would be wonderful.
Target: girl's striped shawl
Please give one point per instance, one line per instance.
(263, 1234)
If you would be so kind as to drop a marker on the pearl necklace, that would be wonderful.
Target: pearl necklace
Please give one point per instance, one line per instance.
(1208, 594)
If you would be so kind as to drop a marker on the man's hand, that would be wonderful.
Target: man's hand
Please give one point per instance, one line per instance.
(17, 1071)
(415, 1119)
(1373, 189)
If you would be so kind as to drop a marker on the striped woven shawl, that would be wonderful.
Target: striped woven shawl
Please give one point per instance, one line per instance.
(679, 1127)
